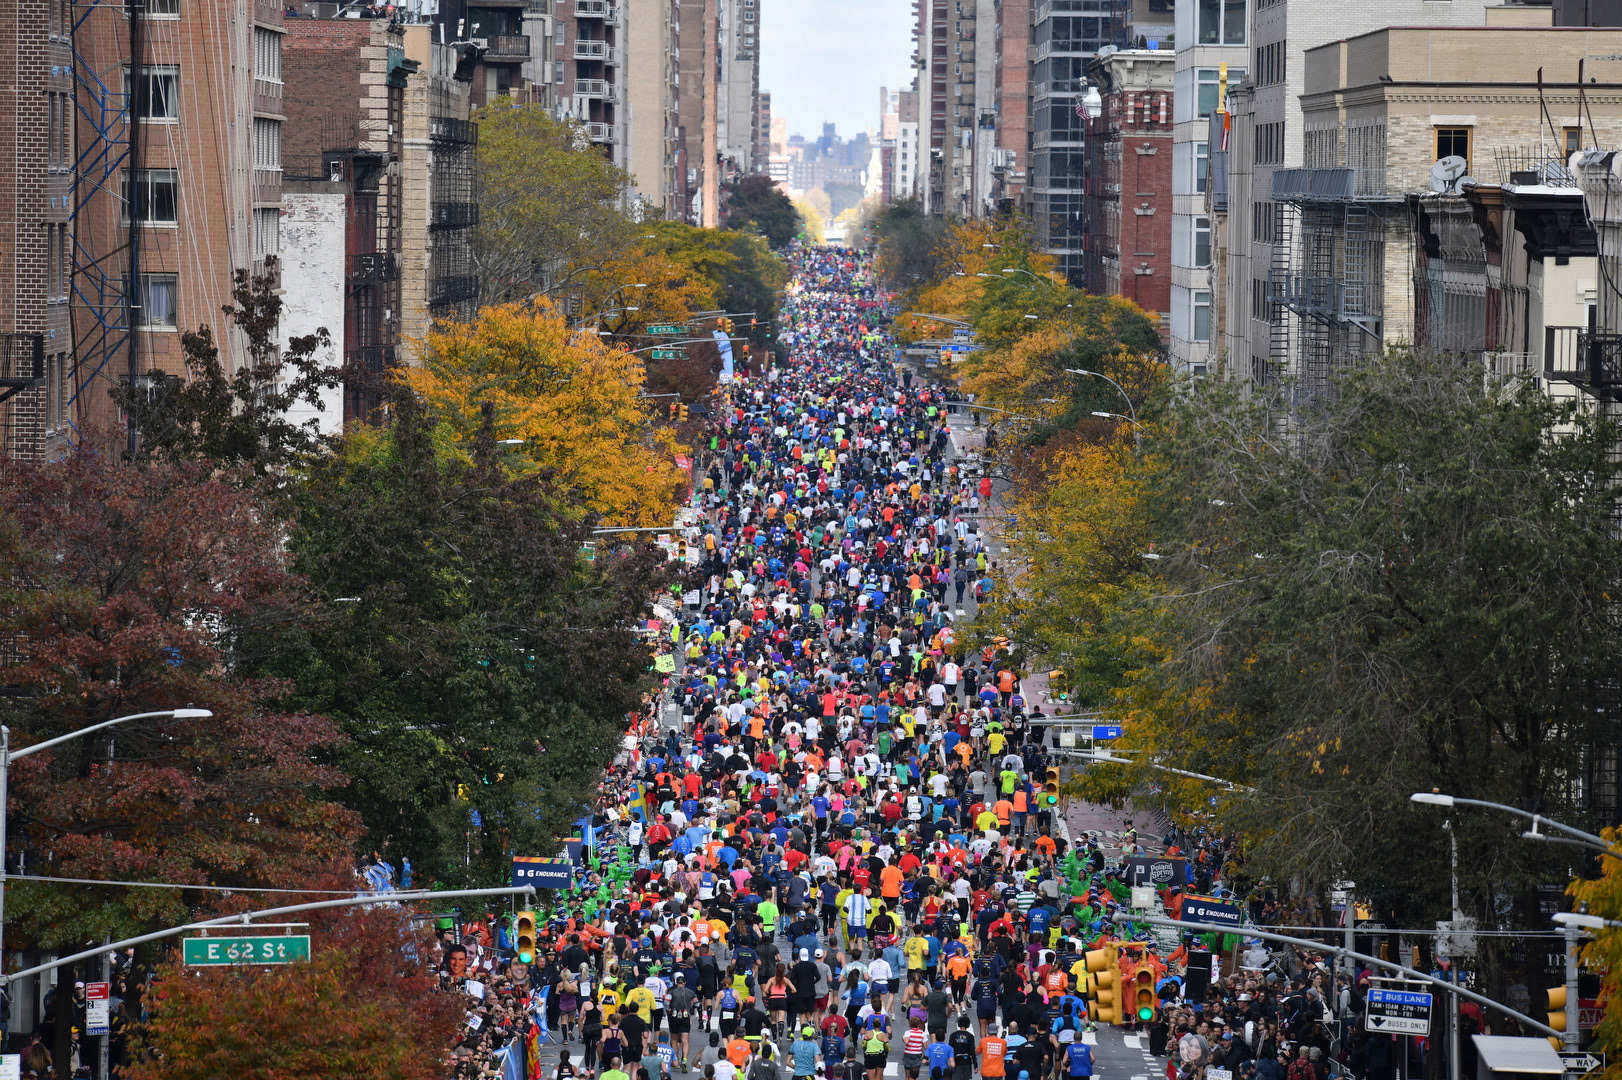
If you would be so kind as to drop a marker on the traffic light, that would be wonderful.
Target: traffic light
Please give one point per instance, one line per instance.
(524, 936)
(1145, 1005)
(1104, 966)
(753, 322)
(1557, 1013)
(684, 414)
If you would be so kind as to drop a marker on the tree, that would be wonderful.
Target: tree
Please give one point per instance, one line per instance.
(757, 201)
(132, 589)
(573, 400)
(482, 666)
(550, 205)
(1401, 585)
(364, 1006)
(238, 419)
(912, 245)
(812, 227)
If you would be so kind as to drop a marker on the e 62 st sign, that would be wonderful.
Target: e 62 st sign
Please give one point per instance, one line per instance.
(204, 951)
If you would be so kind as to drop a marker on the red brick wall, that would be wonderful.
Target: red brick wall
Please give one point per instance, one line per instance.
(322, 62)
(1146, 217)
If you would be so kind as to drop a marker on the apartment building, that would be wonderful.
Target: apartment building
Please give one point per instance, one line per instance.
(1127, 241)
(37, 150)
(1066, 35)
(592, 70)
(1270, 124)
(738, 133)
(346, 112)
(653, 88)
(963, 171)
(1211, 55)
(1011, 96)
(909, 152)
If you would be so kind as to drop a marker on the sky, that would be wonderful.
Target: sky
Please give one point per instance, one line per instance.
(824, 60)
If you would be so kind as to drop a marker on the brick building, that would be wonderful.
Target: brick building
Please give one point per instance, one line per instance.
(1126, 207)
(345, 107)
(135, 191)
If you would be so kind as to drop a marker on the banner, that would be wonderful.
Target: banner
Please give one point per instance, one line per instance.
(542, 873)
(724, 343)
(1161, 872)
(1207, 909)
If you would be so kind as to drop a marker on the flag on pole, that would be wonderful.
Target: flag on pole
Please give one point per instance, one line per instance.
(532, 1052)
(639, 805)
(539, 1009)
(512, 1061)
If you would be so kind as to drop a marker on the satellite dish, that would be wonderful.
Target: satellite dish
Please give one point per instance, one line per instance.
(1446, 172)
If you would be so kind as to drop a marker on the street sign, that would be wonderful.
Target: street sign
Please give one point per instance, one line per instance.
(1399, 1012)
(542, 873)
(1106, 731)
(251, 950)
(1207, 909)
(1581, 1063)
(669, 329)
(667, 354)
(11, 1066)
(97, 1008)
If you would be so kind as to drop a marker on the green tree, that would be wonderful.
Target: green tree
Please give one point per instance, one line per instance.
(1404, 584)
(756, 201)
(237, 419)
(914, 247)
(482, 667)
(550, 205)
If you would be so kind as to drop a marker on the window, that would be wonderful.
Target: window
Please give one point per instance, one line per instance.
(58, 264)
(162, 9)
(1202, 242)
(156, 93)
(1202, 317)
(1453, 142)
(1574, 139)
(52, 270)
(155, 196)
(1202, 165)
(267, 143)
(53, 130)
(60, 14)
(1221, 22)
(267, 54)
(1205, 80)
(56, 392)
(159, 301)
(267, 232)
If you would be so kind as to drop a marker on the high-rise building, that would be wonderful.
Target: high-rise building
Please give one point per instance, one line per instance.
(1065, 36)
(1211, 36)
(957, 53)
(763, 145)
(653, 44)
(1011, 86)
(738, 106)
(592, 70)
(909, 151)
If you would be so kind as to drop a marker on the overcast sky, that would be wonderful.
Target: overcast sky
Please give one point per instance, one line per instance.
(824, 60)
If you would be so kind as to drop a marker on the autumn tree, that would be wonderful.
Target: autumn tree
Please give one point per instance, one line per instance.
(572, 401)
(364, 1006)
(132, 589)
(481, 663)
(913, 245)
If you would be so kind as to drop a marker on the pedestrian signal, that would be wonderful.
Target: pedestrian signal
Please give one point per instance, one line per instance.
(524, 936)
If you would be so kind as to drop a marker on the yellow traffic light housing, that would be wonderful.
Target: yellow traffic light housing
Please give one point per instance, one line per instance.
(524, 936)
(1557, 1013)
(1104, 966)
(684, 414)
(1145, 1004)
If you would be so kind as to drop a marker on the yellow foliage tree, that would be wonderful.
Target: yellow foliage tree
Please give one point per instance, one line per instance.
(574, 401)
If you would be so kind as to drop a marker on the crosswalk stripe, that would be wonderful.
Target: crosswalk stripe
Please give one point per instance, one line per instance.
(1089, 1038)
(1134, 1041)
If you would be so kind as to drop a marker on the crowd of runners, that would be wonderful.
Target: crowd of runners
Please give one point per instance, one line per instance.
(833, 852)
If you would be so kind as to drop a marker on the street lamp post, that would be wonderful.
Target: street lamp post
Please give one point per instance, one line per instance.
(1137, 434)
(7, 757)
(1100, 375)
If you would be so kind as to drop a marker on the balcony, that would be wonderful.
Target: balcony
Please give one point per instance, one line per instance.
(374, 268)
(454, 215)
(1590, 360)
(591, 9)
(452, 290)
(599, 133)
(586, 49)
(508, 47)
(601, 89)
(448, 129)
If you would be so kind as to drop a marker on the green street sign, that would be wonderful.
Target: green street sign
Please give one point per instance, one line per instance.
(667, 354)
(668, 328)
(204, 951)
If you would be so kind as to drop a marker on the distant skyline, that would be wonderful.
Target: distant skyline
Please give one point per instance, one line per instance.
(823, 61)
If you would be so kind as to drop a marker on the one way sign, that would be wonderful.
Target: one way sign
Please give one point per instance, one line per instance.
(1581, 1064)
